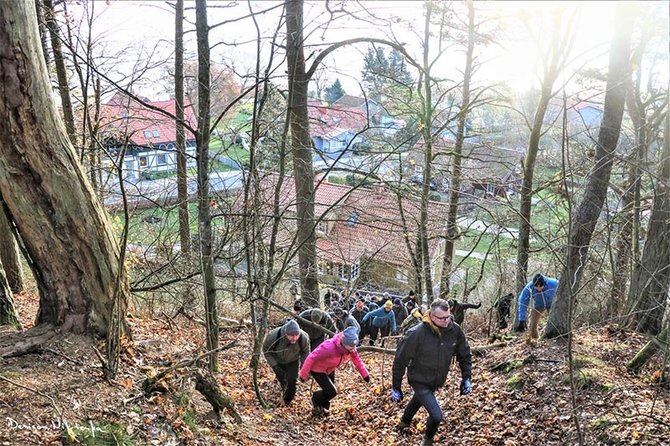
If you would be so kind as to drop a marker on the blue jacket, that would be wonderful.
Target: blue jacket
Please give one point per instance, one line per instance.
(541, 299)
(381, 318)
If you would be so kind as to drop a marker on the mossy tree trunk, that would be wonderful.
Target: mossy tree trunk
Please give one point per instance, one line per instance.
(66, 232)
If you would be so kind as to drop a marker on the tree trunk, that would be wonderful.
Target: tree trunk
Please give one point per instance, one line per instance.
(41, 26)
(454, 194)
(427, 123)
(630, 215)
(648, 351)
(557, 54)
(61, 72)
(65, 230)
(204, 212)
(8, 314)
(589, 209)
(9, 254)
(651, 276)
(301, 146)
(182, 176)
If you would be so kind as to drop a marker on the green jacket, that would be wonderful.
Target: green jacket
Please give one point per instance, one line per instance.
(278, 350)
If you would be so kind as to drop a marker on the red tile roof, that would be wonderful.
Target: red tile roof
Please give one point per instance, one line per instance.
(375, 231)
(132, 118)
(328, 122)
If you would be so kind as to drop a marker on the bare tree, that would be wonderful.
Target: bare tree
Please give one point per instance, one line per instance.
(204, 210)
(9, 254)
(589, 209)
(556, 53)
(182, 191)
(651, 276)
(61, 71)
(301, 145)
(65, 230)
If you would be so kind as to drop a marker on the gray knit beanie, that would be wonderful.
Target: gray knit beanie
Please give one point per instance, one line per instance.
(291, 327)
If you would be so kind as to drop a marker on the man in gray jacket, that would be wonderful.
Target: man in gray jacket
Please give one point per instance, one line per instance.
(285, 348)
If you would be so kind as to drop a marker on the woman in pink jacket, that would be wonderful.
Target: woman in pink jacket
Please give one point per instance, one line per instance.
(323, 361)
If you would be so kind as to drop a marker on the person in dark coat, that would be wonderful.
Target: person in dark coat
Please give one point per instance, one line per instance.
(318, 317)
(400, 311)
(410, 301)
(342, 319)
(425, 352)
(503, 306)
(285, 348)
(358, 312)
(458, 309)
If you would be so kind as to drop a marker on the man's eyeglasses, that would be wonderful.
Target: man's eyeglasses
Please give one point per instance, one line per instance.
(443, 319)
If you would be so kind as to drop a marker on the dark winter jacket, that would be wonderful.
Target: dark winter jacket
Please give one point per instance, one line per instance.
(278, 350)
(358, 315)
(318, 317)
(426, 351)
(400, 313)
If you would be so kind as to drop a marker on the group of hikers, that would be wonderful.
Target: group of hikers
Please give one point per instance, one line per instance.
(431, 339)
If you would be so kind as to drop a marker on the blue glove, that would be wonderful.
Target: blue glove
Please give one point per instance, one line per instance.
(466, 386)
(396, 395)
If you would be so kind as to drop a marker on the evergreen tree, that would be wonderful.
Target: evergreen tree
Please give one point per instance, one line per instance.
(386, 78)
(334, 92)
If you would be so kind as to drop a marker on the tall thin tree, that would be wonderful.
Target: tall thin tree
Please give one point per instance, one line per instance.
(589, 209)
(204, 211)
(301, 147)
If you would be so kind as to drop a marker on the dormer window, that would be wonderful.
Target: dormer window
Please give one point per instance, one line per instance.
(353, 218)
(147, 134)
(155, 133)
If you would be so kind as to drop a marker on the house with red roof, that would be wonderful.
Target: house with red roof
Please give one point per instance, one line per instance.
(145, 135)
(362, 238)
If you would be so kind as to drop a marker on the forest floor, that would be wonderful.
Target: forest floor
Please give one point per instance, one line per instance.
(521, 394)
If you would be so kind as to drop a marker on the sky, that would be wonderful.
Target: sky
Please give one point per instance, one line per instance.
(515, 58)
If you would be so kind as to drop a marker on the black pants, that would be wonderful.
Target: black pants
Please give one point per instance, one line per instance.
(374, 332)
(424, 396)
(288, 380)
(321, 398)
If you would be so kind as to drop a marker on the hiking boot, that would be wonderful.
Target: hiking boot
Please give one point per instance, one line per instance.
(402, 426)
(318, 411)
(427, 441)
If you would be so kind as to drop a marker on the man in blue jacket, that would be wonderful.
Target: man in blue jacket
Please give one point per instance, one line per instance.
(381, 319)
(542, 291)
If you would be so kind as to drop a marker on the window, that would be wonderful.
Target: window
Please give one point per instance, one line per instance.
(155, 133)
(356, 269)
(353, 218)
(401, 275)
(161, 159)
(147, 134)
(343, 271)
(322, 227)
(143, 161)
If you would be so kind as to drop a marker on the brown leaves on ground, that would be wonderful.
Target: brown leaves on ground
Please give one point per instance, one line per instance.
(521, 395)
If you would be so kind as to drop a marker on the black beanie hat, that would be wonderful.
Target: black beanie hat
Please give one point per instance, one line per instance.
(538, 280)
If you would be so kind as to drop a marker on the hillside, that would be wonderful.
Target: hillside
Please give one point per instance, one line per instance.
(521, 395)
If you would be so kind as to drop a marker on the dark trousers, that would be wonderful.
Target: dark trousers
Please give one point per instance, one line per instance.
(288, 380)
(424, 396)
(374, 332)
(321, 398)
